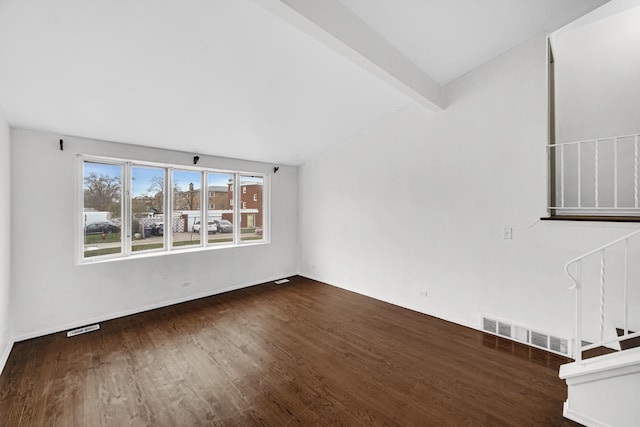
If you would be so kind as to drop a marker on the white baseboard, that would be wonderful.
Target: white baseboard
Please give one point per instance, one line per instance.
(104, 318)
(572, 415)
(443, 316)
(5, 355)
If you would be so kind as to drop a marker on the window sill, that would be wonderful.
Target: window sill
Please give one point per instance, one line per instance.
(591, 218)
(161, 252)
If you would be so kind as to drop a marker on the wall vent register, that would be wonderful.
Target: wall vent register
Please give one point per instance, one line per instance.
(525, 335)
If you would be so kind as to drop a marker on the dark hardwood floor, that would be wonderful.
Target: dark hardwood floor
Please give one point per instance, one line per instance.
(299, 354)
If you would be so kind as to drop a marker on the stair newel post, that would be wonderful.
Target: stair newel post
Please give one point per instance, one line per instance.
(626, 286)
(602, 273)
(578, 288)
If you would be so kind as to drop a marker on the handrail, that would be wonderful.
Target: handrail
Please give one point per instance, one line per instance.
(580, 165)
(601, 248)
(577, 286)
(593, 140)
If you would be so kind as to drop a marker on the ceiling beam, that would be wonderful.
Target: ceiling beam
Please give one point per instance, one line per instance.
(334, 25)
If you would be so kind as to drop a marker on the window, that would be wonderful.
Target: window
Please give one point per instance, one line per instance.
(186, 207)
(102, 209)
(221, 223)
(253, 217)
(125, 212)
(147, 208)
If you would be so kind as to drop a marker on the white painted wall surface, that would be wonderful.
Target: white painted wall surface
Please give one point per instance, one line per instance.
(52, 293)
(419, 203)
(604, 390)
(598, 78)
(5, 242)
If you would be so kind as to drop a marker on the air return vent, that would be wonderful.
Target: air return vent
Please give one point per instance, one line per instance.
(525, 335)
(84, 330)
(558, 345)
(489, 325)
(540, 340)
(504, 329)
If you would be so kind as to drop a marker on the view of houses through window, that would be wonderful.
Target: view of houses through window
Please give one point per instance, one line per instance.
(252, 202)
(115, 226)
(147, 197)
(102, 189)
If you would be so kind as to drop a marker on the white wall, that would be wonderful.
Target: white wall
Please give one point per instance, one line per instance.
(52, 293)
(598, 78)
(419, 202)
(5, 242)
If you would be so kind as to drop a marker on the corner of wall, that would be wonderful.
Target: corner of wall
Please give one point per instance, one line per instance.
(6, 331)
(5, 355)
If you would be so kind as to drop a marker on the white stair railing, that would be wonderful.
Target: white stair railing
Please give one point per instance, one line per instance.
(574, 269)
(597, 176)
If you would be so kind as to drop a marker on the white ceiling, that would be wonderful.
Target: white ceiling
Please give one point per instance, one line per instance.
(449, 38)
(249, 79)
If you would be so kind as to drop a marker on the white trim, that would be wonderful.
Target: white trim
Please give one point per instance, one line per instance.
(578, 417)
(188, 249)
(107, 317)
(5, 355)
(440, 315)
(266, 211)
(126, 213)
(623, 362)
(79, 190)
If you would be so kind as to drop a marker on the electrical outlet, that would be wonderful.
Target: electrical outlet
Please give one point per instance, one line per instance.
(423, 293)
(507, 233)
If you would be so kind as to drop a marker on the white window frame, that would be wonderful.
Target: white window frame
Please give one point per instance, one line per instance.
(126, 216)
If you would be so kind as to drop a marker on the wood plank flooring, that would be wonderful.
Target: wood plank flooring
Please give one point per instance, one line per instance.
(300, 354)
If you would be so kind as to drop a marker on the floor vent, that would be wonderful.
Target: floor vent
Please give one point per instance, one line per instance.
(281, 281)
(83, 330)
(525, 335)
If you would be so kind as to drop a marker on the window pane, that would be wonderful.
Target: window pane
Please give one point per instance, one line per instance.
(220, 217)
(186, 208)
(147, 208)
(102, 188)
(251, 214)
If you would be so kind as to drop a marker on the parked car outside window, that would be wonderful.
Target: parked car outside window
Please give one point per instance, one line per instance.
(212, 226)
(157, 229)
(225, 226)
(102, 227)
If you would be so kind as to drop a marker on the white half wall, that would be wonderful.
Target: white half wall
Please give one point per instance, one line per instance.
(51, 293)
(6, 333)
(418, 204)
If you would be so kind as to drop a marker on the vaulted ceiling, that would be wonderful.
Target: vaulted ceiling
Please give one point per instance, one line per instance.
(278, 81)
